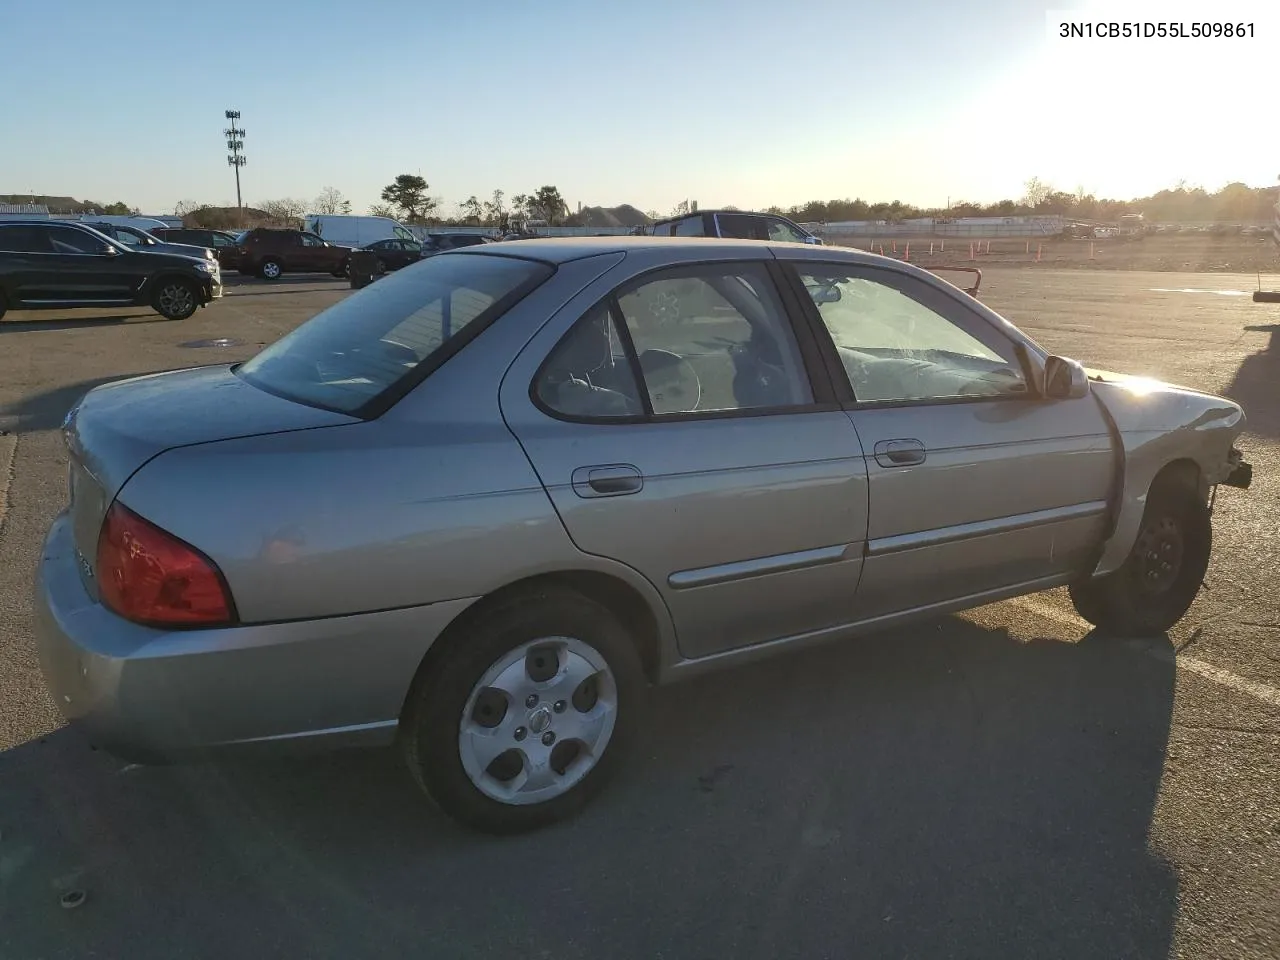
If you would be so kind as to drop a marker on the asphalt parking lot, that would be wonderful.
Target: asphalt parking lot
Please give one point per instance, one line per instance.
(1001, 783)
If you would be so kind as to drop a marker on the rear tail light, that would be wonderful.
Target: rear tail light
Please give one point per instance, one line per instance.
(151, 577)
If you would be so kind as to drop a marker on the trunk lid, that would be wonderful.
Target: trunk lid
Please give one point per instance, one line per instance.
(118, 427)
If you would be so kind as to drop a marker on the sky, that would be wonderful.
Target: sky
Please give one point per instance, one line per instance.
(745, 102)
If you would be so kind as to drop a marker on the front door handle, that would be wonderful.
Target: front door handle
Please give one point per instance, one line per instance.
(899, 453)
(607, 480)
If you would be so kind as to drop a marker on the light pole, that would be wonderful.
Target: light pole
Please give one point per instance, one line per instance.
(235, 143)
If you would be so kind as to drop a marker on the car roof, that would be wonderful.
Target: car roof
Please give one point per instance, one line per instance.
(565, 249)
(739, 213)
(46, 223)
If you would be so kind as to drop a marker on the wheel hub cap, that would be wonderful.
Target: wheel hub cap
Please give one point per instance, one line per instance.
(538, 721)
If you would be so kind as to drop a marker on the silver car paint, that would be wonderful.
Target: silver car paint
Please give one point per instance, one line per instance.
(432, 501)
(362, 541)
(1159, 424)
(144, 692)
(750, 527)
(118, 427)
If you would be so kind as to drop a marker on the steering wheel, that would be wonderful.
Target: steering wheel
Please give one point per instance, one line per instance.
(673, 384)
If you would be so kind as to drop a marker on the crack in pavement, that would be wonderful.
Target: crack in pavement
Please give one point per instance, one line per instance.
(8, 446)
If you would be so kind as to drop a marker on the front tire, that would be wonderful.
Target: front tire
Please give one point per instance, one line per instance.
(175, 298)
(1161, 577)
(526, 713)
(4, 305)
(270, 269)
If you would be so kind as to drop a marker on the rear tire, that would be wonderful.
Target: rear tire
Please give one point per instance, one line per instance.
(497, 657)
(175, 298)
(270, 269)
(1156, 585)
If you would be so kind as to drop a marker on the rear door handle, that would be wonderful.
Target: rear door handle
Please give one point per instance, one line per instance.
(899, 453)
(607, 480)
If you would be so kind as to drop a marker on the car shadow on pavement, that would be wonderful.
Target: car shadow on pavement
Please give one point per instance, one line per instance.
(1254, 384)
(46, 410)
(240, 282)
(947, 790)
(10, 325)
(236, 295)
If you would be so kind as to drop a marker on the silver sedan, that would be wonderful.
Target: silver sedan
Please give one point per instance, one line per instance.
(478, 507)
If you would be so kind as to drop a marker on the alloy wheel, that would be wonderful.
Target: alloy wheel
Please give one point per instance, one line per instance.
(538, 721)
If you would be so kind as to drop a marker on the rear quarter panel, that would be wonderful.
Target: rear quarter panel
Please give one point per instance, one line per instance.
(351, 519)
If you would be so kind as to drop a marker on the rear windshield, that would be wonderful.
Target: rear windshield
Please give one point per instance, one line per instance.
(351, 356)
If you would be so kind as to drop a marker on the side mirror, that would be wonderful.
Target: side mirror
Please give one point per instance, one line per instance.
(1064, 379)
(813, 241)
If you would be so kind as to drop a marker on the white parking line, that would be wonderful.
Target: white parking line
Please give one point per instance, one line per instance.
(1228, 679)
(1261, 691)
(1221, 293)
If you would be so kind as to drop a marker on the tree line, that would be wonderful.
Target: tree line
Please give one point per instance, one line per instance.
(408, 198)
(1236, 202)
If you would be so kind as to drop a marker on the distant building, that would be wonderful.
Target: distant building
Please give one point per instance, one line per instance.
(23, 211)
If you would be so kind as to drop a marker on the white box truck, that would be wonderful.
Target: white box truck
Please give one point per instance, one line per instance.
(349, 230)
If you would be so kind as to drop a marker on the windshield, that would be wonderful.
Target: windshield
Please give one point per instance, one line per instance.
(351, 355)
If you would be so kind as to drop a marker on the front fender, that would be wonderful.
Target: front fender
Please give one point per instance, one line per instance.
(1158, 424)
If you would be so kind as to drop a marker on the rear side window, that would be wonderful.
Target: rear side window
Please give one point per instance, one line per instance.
(23, 240)
(359, 352)
(691, 227)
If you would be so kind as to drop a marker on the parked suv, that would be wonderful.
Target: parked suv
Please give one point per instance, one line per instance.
(223, 244)
(49, 264)
(735, 224)
(142, 240)
(270, 252)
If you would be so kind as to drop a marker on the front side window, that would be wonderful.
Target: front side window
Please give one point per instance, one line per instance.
(901, 340)
(352, 354)
(709, 339)
(782, 232)
(69, 240)
(741, 227)
(311, 240)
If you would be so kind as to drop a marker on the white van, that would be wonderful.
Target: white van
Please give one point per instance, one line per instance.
(347, 230)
